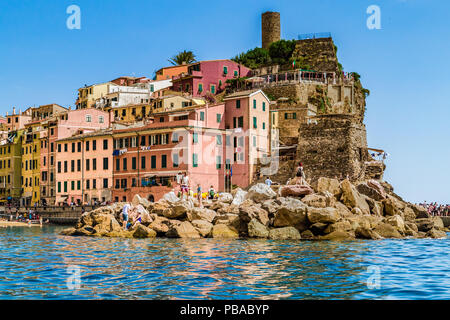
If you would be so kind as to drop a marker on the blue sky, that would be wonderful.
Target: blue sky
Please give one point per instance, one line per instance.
(405, 65)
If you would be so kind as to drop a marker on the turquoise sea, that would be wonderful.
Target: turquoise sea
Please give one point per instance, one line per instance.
(37, 263)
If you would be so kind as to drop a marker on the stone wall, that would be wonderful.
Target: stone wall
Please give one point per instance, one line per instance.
(319, 54)
(333, 146)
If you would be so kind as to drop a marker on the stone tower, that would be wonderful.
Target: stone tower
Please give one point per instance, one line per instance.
(270, 27)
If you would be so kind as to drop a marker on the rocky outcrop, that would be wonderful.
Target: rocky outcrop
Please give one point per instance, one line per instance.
(337, 211)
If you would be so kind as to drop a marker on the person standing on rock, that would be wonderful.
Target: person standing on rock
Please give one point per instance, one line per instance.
(184, 185)
(125, 210)
(199, 195)
(300, 173)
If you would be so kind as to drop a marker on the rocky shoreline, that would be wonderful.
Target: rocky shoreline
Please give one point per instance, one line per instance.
(331, 210)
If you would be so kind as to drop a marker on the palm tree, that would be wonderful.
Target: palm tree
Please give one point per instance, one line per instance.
(184, 57)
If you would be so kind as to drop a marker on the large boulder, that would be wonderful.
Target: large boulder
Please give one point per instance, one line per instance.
(225, 197)
(393, 206)
(307, 235)
(408, 214)
(373, 193)
(84, 231)
(224, 231)
(342, 209)
(327, 184)
(436, 234)
(315, 200)
(138, 200)
(387, 231)
(179, 209)
(142, 231)
(270, 206)
(170, 197)
(201, 214)
(424, 224)
(376, 207)
(420, 211)
(225, 209)
(86, 219)
(438, 223)
(286, 233)
(260, 192)
(239, 197)
(322, 215)
(365, 233)
(343, 225)
(257, 230)
(161, 207)
(295, 191)
(183, 230)
(203, 227)
(351, 197)
(248, 210)
(338, 236)
(397, 222)
(160, 225)
(292, 213)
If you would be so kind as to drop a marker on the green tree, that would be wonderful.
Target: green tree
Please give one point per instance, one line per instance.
(281, 51)
(183, 57)
(254, 58)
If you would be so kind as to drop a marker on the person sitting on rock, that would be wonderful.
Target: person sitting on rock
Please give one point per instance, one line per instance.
(125, 211)
(137, 220)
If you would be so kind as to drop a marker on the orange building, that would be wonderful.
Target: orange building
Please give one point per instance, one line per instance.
(169, 72)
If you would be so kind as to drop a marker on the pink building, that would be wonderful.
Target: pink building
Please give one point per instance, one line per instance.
(84, 168)
(216, 145)
(208, 76)
(60, 126)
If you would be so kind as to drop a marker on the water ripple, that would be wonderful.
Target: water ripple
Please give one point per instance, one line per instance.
(34, 264)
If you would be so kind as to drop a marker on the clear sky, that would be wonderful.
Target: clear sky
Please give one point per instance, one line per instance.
(405, 64)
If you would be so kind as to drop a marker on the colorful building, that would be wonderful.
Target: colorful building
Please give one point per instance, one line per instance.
(61, 126)
(84, 168)
(31, 159)
(169, 72)
(208, 76)
(10, 167)
(176, 101)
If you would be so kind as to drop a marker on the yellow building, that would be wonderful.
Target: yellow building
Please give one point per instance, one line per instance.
(31, 164)
(173, 102)
(88, 96)
(130, 113)
(10, 167)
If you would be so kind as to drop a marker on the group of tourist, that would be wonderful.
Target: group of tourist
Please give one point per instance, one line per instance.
(436, 209)
(187, 192)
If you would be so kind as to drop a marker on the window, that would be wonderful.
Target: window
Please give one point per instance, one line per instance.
(164, 161)
(79, 165)
(72, 165)
(105, 183)
(238, 104)
(290, 115)
(65, 166)
(195, 160)
(219, 118)
(88, 184)
(79, 185)
(200, 87)
(105, 144)
(59, 147)
(254, 141)
(143, 162)
(101, 119)
(94, 164)
(219, 140)
(65, 147)
(88, 118)
(153, 162)
(254, 103)
(213, 88)
(218, 162)
(174, 137)
(87, 145)
(72, 185)
(51, 147)
(152, 88)
(124, 163)
(133, 163)
(195, 137)
(264, 126)
(235, 73)
(225, 70)
(118, 164)
(202, 116)
(65, 186)
(94, 183)
(264, 106)
(73, 146)
(88, 167)
(240, 122)
(94, 145)
(175, 160)
(79, 147)
(59, 186)
(255, 123)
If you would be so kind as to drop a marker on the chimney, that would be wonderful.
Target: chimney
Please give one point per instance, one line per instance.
(14, 110)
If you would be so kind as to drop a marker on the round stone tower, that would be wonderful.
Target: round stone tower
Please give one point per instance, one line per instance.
(270, 27)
